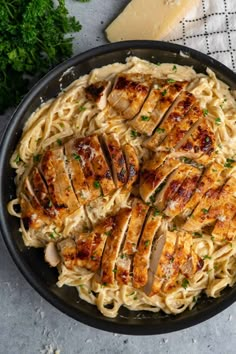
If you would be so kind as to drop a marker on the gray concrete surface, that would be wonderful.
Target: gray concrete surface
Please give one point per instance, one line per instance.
(29, 325)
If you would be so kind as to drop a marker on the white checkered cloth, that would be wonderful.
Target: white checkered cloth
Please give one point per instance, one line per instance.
(211, 29)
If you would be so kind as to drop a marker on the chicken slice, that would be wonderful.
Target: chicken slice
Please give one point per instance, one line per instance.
(155, 161)
(177, 204)
(54, 171)
(156, 105)
(41, 192)
(84, 153)
(175, 256)
(76, 173)
(117, 159)
(132, 164)
(128, 94)
(98, 92)
(201, 216)
(208, 180)
(100, 235)
(29, 214)
(152, 179)
(179, 130)
(175, 114)
(142, 256)
(232, 230)
(68, 252)
(173, 183)
(51, 255)
(224, 210)
(200, 142)
(100, 167)
(123, 264)
(113, 245)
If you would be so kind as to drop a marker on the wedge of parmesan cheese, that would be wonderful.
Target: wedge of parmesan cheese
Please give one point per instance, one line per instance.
(148, 19)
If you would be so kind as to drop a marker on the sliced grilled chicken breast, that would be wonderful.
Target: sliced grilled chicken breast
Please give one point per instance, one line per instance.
(177, 204)
(132, 164)
(100, 167)
(173, 183)
(151, 180)
(123, 264)
(30, 215)
(142, 256)
(68, 252)
(98, 92)
(208, 180)
(128, 94)
(201, 216)
(113, 245)
(76, 172)
(199, 143)
(175, 114)
(157, 104)
(179, 130)
(54, 171)
(117, 159)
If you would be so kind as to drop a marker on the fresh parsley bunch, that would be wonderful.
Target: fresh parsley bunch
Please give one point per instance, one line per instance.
(32, 40)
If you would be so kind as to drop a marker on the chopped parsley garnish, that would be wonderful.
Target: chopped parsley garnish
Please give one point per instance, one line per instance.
(93, 258)
(50, 204)
(135, 298)
(156, 212)
(170, 81)
(37, 158)
(218, 121)
(108, 233)
(134, 134)
(82, 108)
(164, 92)
(104, 284)
(132, 293)
(96, 184)
(197, 234)
(114, 270)
(185, 159)
(185, 283)
(174, 68)
(205, 211)
(206, 257)
(158, 64)
(146, 243)
(51, 235)
(207, 139)
(76, 157)
(17, 159)
(160, 130)
(214, 170)
(145, 118)
(152, 198)
(228, 163)
(212, 238)
(205, 112)
(59, 142)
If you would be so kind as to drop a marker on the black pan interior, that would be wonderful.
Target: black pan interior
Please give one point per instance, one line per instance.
(30, 261)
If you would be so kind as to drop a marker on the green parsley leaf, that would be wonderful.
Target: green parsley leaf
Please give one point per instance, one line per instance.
(108, 233)
(218, 121)
(164, 92)
(205, 112)
(96, 184)
(205, 211)
(17, 160)
(197, 234)
(156, 212)
(170, 81)
(59, 142)
(37, 158)
(76, 157)
(228, 163)
(160, 130)
(82, 108)
(206, 257)
(134, 134)
(174, 68)
(158, 64)
(185, 283)
(145, 118)
(146, 243)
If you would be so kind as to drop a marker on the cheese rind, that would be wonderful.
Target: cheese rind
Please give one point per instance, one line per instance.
(148, 19)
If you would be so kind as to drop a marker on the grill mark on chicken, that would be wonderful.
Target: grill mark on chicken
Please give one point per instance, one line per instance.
(171, 119)
(129, 93)
(98, 92)
(139, 212)
(142, 256)
(113, 245)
